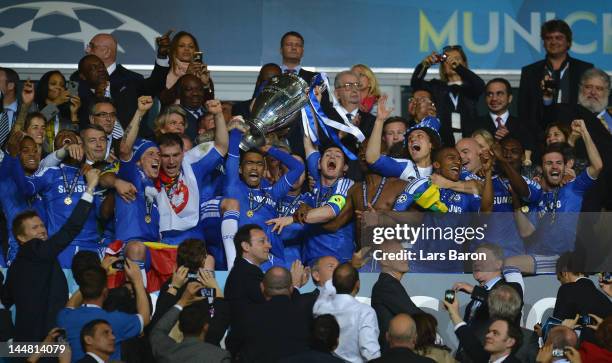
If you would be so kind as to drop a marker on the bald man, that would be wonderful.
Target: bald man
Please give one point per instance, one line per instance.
(389, 298)
(276, 328)
(402, 335)
(470, 155)
(123, 84)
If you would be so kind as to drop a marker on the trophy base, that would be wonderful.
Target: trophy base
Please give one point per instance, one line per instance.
(252, 141)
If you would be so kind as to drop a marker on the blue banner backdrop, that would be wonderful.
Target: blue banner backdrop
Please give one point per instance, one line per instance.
(503, 34)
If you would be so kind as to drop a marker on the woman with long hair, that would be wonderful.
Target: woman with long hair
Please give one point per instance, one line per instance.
(455, 93)
(369, 90)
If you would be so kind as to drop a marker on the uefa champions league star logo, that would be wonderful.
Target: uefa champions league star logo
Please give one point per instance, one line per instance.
(22, 34)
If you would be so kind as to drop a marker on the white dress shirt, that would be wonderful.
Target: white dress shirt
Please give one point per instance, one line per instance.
(504, 117)
(500, 359)
(358, 325)
(94, 356)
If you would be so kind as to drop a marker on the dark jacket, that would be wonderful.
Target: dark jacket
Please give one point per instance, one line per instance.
(389, 298)
(242, 288)
(581, 297)
(312, 356)
(530, 104)
(35, 282)
(481, 316)
(473, 86)
(87, 359)
(271, 330)
(401, 355)
(517, 129)
(474, 349)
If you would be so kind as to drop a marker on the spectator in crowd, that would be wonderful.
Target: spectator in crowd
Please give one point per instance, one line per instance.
(104, 46)
(394, 129)
(503, 338)
(427, 341)
(488, 274)
(104, 114)
(275, 328)
(605, 283)
(455, 93)
(86, 305)
(560, 70)
(35, 283)
(484, 139)
(389, 298)
(193, 322)
(63, 355)
(556, 227)
(321, 270)
(182, 52)
(52, 93)
(499, 122)
(243, 282)
(34, 126)
(9, 80)
(402, 337)
(369, 90)
(358, 325)
(601, 351)
(577, 294)
(594, 94)
(191, 95)
(173, 119)
(98, 341)
(560, 346)
(557, 132)
(324, 337)
(266, 73)
(420, 105)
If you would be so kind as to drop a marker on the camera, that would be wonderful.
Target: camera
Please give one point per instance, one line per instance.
(73, 88)
(119, 264)
(61, 338)
(558, 353)
(441, 57)
(551, 84)
(197, 57)
(585, 320)
(208, 292)
(449, 296)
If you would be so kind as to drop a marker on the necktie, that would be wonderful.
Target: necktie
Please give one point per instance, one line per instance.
(603, 121)
(4, 127)
(349, 116)
(499, 121)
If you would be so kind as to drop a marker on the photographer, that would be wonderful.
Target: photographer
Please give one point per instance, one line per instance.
(193, 320)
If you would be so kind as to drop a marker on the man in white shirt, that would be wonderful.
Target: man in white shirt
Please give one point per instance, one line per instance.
(358, 324)
(8, 96)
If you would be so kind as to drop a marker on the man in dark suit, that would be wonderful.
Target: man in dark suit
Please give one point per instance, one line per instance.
(35, 283)
(503, 338)
(324, 338)
(321, 271)
(190, 90)
(389, 297)
(98, 341)
(267, 71)
(276, 328)
(499, 122)
(402, 335)
(243, 282)
(558, 67)
(488, 274)
(104, 114)
(577, 294)
(104, 46)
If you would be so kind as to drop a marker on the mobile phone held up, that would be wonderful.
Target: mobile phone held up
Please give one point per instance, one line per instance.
(449, 296)
(197, 57)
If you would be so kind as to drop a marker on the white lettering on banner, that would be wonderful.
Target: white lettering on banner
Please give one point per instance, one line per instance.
(450, 30)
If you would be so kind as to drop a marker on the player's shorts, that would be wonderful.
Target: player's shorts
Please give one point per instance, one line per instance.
(159, 265)
(545, 264)
(65, 257)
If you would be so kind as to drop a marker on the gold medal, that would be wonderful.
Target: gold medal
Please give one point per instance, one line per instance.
(148, 218)
(67, 200)
(524, 209)
(250, 214)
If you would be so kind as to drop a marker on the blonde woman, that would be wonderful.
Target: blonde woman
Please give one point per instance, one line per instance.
(172, 119)
(369, 89)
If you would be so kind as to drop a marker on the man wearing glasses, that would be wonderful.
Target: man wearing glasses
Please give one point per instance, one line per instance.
(346, 90)
(104, 114)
